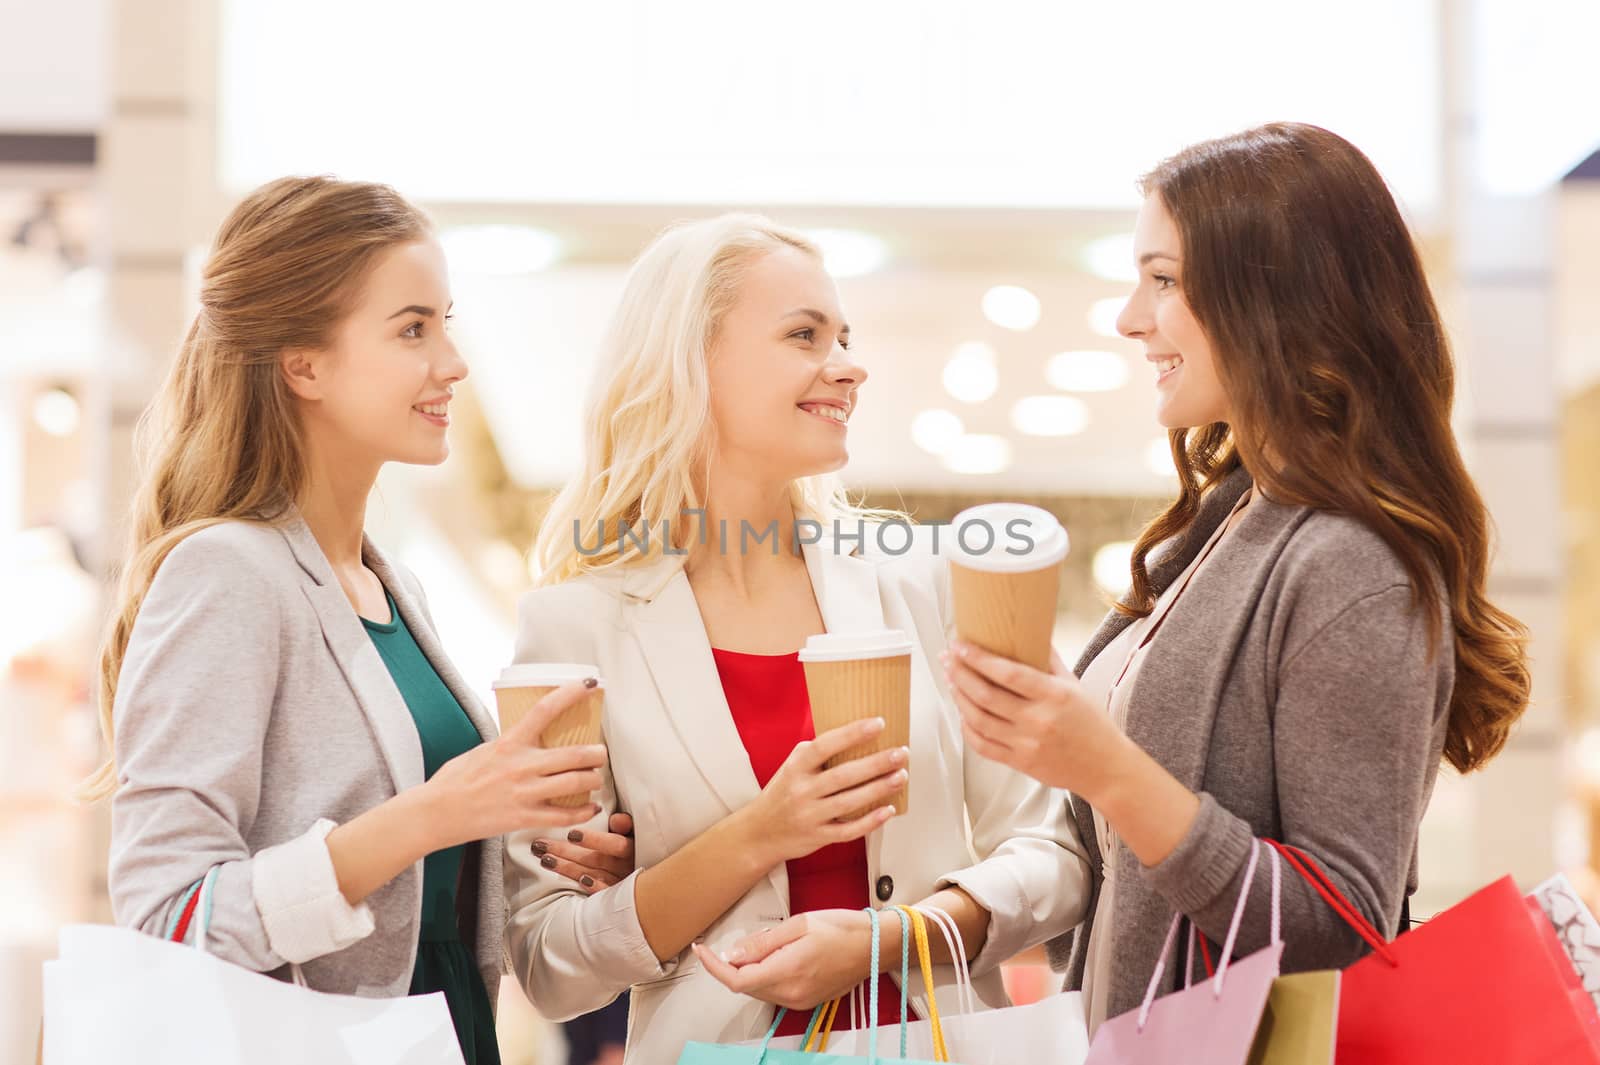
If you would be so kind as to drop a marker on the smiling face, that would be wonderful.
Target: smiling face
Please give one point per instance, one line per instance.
(783, 383)
(380, 392)
(1189, 393)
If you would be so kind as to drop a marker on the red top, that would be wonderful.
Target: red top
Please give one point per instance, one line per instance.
(772, 711)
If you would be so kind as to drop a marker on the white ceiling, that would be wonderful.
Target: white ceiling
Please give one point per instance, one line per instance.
(899, 102)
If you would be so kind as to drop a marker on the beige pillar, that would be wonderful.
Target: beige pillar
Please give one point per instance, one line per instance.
(1503, 819)
(157, 170)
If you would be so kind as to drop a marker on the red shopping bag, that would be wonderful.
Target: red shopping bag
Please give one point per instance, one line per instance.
(1483, 982)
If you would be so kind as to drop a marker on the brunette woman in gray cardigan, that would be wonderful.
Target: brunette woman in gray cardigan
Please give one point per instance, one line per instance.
(1307, 633)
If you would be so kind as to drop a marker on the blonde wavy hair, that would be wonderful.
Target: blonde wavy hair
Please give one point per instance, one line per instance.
(647, 423)
(222, 441)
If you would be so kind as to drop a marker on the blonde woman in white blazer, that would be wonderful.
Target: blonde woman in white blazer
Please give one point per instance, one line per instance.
(279, 707)
(708, 422)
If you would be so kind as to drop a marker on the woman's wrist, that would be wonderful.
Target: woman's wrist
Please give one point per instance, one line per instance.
(429, 819)
(890, 937)
(754, 843)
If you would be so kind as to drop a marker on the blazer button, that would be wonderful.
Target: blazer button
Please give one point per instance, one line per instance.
(885, 888)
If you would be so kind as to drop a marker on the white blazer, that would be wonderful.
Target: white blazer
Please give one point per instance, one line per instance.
(678, 766)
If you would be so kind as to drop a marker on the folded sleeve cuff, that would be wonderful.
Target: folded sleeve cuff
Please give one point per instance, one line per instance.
(1206, 861)
(996, 889)
(297, 895)
(615, 939)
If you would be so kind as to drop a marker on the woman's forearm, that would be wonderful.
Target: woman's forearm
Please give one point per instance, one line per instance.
(1146, 806)
(683, 895)
(971, 918)
(379, 845)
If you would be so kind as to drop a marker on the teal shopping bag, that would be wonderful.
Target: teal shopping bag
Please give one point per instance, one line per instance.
(726, 1054)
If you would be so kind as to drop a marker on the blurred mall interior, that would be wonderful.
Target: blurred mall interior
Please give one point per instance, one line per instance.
(969, 170)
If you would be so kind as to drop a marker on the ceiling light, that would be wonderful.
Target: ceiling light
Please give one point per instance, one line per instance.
(1011, 307)
(499, 250)
(1103, 315)
(978, 454)
(56, 412)
(1111, 567)
(1050, 416)
(1158, 457)
(934, 431)
(1087, 371)
(971, 375)
(849, 252)
(1111, 258)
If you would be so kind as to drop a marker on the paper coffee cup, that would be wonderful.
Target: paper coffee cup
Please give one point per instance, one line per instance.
(520, 687)
(1005, 575)
(856, 675)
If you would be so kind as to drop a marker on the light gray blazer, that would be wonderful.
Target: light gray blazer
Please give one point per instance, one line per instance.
(1293, 688)
(252, 714)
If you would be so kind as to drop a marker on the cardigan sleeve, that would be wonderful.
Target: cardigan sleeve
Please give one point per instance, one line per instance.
(194, 699)
(1358, 724)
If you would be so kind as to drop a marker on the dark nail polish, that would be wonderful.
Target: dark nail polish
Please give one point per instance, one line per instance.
(548, 861)
(586, 881)
(590, 682)
(540, 846)
(575, 836)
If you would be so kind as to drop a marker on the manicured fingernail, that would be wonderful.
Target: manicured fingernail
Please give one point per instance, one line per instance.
(961, 650)
(734, 956)
(575, 836)
(902, 776)
(875, 725)
(548, 861)
(586, 880)
(886, 813)
(590, 682)
(898, 755)
(540, 846)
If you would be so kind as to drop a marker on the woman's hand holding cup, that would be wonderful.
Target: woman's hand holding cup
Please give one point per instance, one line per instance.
(806, 806)
(511, 784)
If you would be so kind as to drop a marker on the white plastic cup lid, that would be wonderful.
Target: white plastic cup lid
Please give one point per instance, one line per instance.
(1005, 538)
(853, 646)
(545, 675)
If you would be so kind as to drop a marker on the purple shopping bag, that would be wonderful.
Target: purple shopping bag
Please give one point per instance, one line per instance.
(1213, 1023)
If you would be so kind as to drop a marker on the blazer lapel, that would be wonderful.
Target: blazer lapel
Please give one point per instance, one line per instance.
(846, 587)
(358, 660)
(672, 639)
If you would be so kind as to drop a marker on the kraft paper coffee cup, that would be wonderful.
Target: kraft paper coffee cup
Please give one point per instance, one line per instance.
(851, 676)
(521, 686)
(1005, 575)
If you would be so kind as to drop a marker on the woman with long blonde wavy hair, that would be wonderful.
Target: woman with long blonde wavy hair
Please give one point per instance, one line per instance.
(284, 723)
(705, 541)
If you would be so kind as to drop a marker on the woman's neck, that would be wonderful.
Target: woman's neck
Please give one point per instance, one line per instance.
(748, 532)
(334, 506)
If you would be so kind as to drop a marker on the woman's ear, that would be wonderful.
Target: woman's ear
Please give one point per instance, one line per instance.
(301, 369)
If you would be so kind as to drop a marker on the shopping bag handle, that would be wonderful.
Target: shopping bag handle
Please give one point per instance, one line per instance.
(958, 955)
(1307, 867)
(919, 927)
(1227, 949)
(823, 1016)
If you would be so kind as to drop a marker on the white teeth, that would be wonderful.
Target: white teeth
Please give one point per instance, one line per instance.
(1167, 365)
(438, 410)
(836, 413)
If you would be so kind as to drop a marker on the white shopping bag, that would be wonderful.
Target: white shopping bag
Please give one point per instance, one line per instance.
(1053, 1030)
(116, 995)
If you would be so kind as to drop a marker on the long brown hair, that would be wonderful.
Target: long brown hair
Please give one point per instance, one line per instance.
(1301, 271)
(222, 441)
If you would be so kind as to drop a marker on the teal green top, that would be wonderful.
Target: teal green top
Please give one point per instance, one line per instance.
(443, 962)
